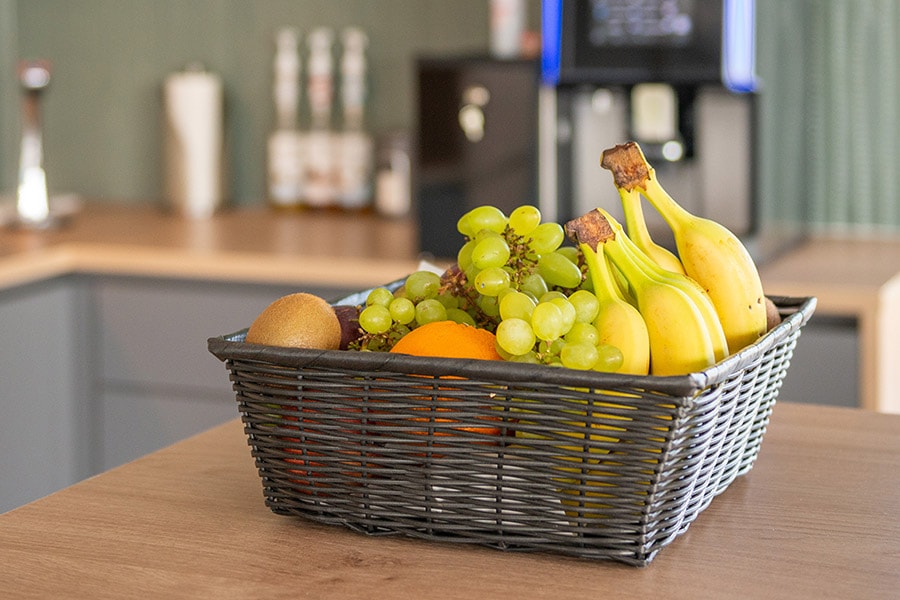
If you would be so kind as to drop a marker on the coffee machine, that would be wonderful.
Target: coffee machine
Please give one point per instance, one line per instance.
(676, 76)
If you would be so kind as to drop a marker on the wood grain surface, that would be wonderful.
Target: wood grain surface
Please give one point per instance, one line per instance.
(817, 517)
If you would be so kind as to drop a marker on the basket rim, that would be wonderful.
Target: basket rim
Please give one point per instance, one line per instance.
(796, 312)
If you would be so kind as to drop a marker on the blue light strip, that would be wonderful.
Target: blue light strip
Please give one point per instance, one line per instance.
(551, 38)
(739, 46)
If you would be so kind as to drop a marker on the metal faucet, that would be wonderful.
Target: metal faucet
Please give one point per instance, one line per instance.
(32, 200)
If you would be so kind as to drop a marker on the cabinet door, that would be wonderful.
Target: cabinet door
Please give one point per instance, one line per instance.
(43, 445)
(153, 332)
(158, 382)
(825, 365)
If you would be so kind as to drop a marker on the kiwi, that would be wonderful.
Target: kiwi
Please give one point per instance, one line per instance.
(299, 320)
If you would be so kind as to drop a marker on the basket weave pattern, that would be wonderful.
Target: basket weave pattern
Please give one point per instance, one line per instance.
(506, 455)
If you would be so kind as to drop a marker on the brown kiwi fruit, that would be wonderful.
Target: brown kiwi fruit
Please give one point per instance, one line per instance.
(299, 320)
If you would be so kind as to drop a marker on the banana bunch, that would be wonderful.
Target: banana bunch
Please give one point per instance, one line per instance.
(709, 253)
(683, 329)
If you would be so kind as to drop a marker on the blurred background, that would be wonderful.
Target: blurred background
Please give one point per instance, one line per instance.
(826, 128)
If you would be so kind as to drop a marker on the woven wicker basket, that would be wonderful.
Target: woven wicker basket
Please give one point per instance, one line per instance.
(506, 455)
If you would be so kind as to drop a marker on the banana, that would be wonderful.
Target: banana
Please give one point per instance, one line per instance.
(619, 323)
(638, 233)
(711, 254)
(681, 281)
(679, 340)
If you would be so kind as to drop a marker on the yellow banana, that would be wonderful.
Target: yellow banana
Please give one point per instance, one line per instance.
(681, 281)
(619, 323)
(637, 231)
(711, 254)
(679, 340)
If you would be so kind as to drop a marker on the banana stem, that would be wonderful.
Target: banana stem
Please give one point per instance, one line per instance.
(632, 173)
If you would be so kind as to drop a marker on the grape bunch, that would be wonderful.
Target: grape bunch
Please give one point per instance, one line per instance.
(512, 276)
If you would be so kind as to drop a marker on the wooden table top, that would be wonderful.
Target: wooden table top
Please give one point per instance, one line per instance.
(817, 517)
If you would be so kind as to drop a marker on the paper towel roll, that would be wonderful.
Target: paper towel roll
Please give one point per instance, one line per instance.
(194, 153)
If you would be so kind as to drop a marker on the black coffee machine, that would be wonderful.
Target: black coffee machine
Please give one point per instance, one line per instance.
(677, 76)
(477, 140)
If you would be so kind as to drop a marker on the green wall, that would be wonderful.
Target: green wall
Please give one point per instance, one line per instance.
(102, 113)
(829, 123)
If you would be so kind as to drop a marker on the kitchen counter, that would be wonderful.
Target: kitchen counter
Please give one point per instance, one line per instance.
(319, 248)
(817, 517)
(858, 278)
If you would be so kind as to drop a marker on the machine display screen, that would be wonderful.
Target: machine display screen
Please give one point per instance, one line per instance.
(633, 41)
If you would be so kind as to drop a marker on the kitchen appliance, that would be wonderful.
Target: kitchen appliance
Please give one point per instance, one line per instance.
(476, 144)
(677, 76)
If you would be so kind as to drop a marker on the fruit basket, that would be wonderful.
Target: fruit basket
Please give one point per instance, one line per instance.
(511, 456)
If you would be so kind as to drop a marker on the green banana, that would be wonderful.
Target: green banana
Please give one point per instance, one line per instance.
(619, 323)
(711, 254)
(679, 339)
(638, 233)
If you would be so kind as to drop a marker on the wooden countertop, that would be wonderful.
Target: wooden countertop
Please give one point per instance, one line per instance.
(248, 245)
(818, 516)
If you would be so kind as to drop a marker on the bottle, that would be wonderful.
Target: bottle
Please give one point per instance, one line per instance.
(393, 186)
(320, 146)
(356, 147)
(286, 172)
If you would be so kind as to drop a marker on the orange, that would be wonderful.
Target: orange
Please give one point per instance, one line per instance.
(448, 339)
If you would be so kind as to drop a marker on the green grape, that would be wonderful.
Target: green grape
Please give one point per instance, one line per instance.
(547, 237)
(448, 300)
(515, 336)
(570, 252)
(422, 284)
(485, 217)
(586, 306)
(533, 285)
(568, 313)
(380, 295)
(458, 315)
(547, 321)
(492, 251)
(558, 270)
(492, 281)
(504, 292)
(579, 356)
(610, 359)
(551, 295)
(471, 272)
(530, 358)
(488, 305)
(402, 310)
(583, 333)
(464, 226)
(430, 310)
(375, 319)
(524, 219)
(516, 305)
(464, 256)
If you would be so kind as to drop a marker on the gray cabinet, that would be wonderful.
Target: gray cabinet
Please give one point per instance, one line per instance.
(99, 370)
(825, 364)
(157, 383)
(44, 424)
